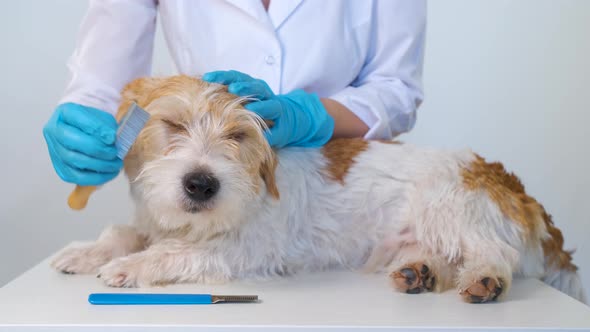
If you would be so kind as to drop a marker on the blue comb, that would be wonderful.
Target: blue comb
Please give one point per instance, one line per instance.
(129, 128)
(174, 299)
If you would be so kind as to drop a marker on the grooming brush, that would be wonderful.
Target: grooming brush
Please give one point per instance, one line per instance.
(129, 127)
(168, 299)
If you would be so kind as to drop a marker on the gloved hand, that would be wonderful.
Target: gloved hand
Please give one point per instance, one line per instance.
(300, 118)
(81, 143)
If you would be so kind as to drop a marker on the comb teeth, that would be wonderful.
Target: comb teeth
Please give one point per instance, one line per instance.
(129, 128)
(233, 298)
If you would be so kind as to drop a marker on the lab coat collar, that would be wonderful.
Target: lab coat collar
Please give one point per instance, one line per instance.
(253, 8)
(278, 11)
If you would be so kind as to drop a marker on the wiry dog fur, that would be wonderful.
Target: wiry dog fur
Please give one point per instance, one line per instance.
(433, 219)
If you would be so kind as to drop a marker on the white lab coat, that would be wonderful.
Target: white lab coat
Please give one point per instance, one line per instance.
(365, 54)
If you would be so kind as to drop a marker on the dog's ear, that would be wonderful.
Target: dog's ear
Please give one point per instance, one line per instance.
(267, 173)
(137, 91)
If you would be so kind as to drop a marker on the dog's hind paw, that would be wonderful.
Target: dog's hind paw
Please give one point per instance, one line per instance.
(84, 258)
(414, 278)
(484, 290)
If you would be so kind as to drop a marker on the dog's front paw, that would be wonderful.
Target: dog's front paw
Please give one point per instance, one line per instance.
(84, 258)
(122, 272)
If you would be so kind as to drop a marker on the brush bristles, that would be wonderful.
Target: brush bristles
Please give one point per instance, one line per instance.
(129, 128)
(233, 298)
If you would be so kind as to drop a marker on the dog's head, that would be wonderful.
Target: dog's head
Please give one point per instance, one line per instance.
(202, 159)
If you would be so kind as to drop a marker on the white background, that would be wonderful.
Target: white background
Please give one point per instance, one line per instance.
(510, 79)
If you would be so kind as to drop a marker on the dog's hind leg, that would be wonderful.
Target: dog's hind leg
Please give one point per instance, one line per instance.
(84, 258)
(415, 271)
(486, 272)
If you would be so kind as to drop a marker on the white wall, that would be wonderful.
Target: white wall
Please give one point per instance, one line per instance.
(510, 79)
(36, 38)
(507, 78)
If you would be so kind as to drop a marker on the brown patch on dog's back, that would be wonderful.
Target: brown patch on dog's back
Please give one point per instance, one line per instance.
(508, 192)
(340, 154)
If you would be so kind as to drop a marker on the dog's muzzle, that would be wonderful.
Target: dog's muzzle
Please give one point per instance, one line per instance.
(200, 186)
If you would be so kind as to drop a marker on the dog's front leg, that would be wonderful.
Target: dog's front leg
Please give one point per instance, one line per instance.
(168, 261)
(115, 241)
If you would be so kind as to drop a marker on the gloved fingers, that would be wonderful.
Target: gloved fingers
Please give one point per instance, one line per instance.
(267, 109)
(92, 121)
(257, 89)
(75, 175)
(85, 178)
(226, 77)
(74, 139)
(276, 137)
(74, 159)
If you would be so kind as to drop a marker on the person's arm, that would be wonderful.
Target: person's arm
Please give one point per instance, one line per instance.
(388, 90)
(114, 46)
(346, 123)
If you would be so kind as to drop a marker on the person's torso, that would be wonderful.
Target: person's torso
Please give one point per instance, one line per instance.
(319, 46)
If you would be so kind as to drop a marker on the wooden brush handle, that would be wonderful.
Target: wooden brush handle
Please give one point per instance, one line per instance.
(79, 197)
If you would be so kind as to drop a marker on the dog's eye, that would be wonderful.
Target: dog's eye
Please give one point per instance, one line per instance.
(237, 136)
(174, 126)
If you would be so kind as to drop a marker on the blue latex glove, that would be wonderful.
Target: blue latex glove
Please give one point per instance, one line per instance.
(81, 143)
(300, 118)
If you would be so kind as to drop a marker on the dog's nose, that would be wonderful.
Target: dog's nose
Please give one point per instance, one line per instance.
(200, 186)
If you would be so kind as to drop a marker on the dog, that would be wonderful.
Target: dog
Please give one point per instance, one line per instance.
(215, 203)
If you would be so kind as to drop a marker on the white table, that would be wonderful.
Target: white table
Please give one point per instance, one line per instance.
(42, 299)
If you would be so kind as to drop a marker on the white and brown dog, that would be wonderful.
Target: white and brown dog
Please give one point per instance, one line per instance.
(215, 203)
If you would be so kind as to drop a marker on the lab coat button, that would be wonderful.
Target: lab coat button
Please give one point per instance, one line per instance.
(269, 60)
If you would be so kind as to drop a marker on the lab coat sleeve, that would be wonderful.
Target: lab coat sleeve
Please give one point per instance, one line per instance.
(114, 46)
(388, 89)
